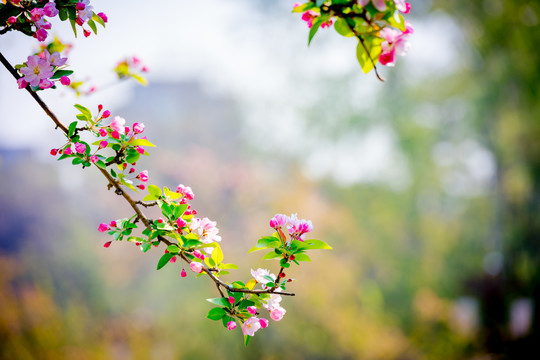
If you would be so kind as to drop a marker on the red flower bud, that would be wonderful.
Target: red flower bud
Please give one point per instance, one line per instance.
(100, 107)
(107, 244)
(54, 152)
(282, 275)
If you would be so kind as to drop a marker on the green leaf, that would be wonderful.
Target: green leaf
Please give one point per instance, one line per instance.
(59, 73)
(219, 301)
(303, 7)
(314, 244)
(71, 129)
(172, 195)
(192, 243)
(238, 285)
(84, 111)
(301, 257)
(146, 246)
(98, 19)
(150, 197)
(268, 278)
(246, 339)
(77, 161)
(343, 28)
(216, 313)
(73, 26)
(271, 255)
(141, 142)
(92, 25)
(154, 190)
(164, 260)
(371, 57)
(217, 255)
(320, 2)
(63, 14)
(268, 242)
(230, 266)
(133, 157)
(180, 209)
(210, 262)
(173, 249)
(316, 24)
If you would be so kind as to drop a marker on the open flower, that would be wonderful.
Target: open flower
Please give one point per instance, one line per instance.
(395, 43)
(259, 274)
(36, 69)
(251, 326)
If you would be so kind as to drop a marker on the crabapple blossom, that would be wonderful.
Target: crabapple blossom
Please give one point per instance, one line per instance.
(22, 83)
(183, 273)
(94, 159)
(45, 84)
(36, 69)
(185, 191)
(277, 313)
(140, 150)
(206, 229)
(12, 20)
(107, 244)
(264, 323)
(112, 223)
(252, 310)
(103, 17)
(50, 9)
(54, 152)
(103, 144)
(196, 266)
(80, 148)
(64, 80)
(106, 114)
(259, 274)
(68, 151)
(395, 43)
(117, 124)
(143, 176)
(138, 128)
(231, 325)
(103, 227)
(180, 222)
(279, 220)
(251, 326)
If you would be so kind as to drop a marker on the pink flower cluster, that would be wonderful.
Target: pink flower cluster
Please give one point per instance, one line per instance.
(310, 15)
(395, 42)
(297, 227)
(38, 70)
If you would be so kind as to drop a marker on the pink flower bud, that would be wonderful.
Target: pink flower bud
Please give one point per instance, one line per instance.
(181, 222)
(231, 325)
(173, 259)
(183, 273)
(198, 254)
(41, 34)
(196, 267)
(103, 227)
(94, 159)
(107, 244)
(252, 310)
(100, 107)
(138, 128)
(87, 33)
(115, 135)
(132, 170)
(143, 176)
(79, 21)
(103, 17)
(45, 84)
(54, 152)
(103, 144)
(264, 323)
(80, 6)
(124, 165)
(102, 132)
(140, 150)
(126, 129)
(113, 223)
(144, 69)
(142, 187)
(106, 114)
(80, 148)
(160, 221)
(12, 20)
(137, 244)
(22, 83)
(68, 151)
(64, 80)
(232, 300)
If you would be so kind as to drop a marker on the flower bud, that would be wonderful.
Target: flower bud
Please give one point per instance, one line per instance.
(106, 114)
(12, 20)
(87, 33)
(80, 6)
(232, 300)
(183, 273)
(100, 107)
(54, 152)
(64, 80)
(264, 323)
(94, 159)
(107, 244)
(231, 325)
(103, 17)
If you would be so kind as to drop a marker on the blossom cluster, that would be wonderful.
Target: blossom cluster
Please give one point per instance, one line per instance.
(298, 228)
(32, 17)
(378, 25)
(132, 67)
(42, 70)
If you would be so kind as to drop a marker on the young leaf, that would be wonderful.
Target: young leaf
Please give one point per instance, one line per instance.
(219, 301)
(164, 260)
(216, 313)
(84, 111)
(173, 249)
(217, 255)
(154, 190)
(302, 257)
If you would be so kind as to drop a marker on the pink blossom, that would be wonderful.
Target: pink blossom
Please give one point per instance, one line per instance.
(106, 114)
(327, 23)
(277, 313)
(379, 4)
(231, 300)
(50, 9)
(206, 229)
(183, 273)
(36, 69)
(138, 128)
(64, 80)
(126, 129)
(173, 259)
(54, 59)
(395, 43)
(140, 150)
(22, 83)
(94, 159)
(41, 34)
(103, 132)
(264, 323)
(198, 254)
(12, 20)
(143, 176)
(54, 152)
(180, 222)
(309, 16)
(297, 228)
(115, 135)
(103, 144)
(195, 266)
(80, 148)
(80, 6)
(402, 6)
(45, 84)
(259, 274)
(251, 326)
(185, 191)
(36, 14)
(68, 151)
(113, 223)
(86, 13)
(252, 310)
(103, 227)
(231, 325)
(107, 244)
(103, 17)
(142, 187)
(117, 124)
(273, 302)
(279, 220)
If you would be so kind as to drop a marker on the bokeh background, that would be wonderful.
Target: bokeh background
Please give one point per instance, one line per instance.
(427, 186)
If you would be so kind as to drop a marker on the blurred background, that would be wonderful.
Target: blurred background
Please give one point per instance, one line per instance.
(427, 186)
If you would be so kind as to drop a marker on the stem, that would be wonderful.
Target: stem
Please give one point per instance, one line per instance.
(140, 215)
